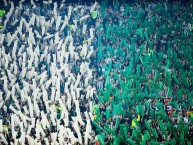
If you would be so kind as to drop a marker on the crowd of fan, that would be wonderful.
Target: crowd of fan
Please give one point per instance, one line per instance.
(142, 55)
(145, 54)
(46, 58)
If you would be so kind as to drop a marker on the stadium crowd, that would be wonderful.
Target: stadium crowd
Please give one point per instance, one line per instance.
(96, 73)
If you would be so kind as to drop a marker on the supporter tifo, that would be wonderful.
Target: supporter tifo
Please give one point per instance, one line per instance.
(97, 74)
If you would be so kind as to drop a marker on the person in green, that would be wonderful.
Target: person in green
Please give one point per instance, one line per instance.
(94, 14)
(2, 13)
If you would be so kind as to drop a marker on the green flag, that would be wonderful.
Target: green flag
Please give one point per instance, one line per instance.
(2, 13)
(94, 14)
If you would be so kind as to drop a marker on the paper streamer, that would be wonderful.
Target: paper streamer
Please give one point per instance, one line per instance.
(91, 33)
(84, 29)
(57, 38)
(22, 138)
(77, 129)
(5, 2)
(15, 22)
(58, 22)
(84, 17)
(51, 22)
(93, 7)
(30, 108)
(32, 20)
(79, 118)
(64, 23)
(3, 138)
(72, 137)
(53, 120)
(88, 93)
(1, 125)
(82, 12)
(69, 11)
(2, 37)
(91, 107)
(48, 37)
(55, 11)
(89, 54)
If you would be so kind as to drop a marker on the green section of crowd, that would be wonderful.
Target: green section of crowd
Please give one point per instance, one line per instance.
(146, 56)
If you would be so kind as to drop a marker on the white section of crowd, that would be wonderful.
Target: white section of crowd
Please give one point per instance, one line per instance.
(28, 57)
